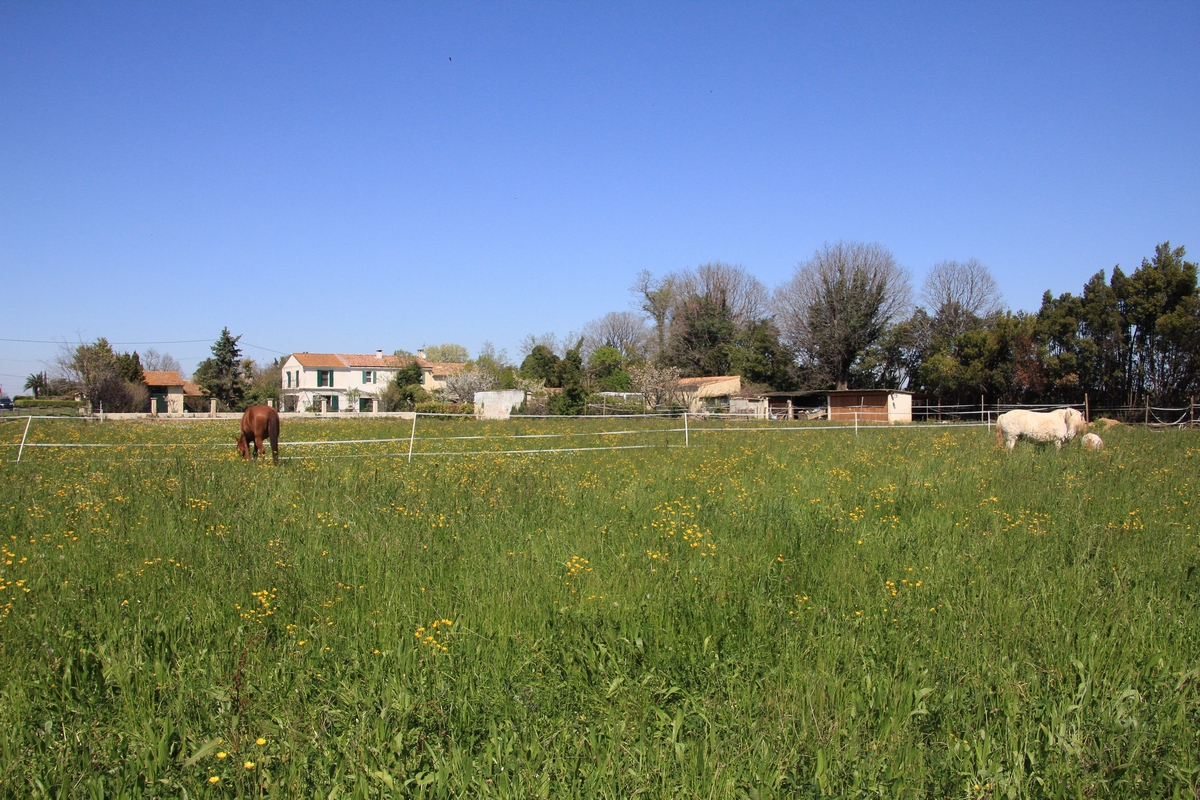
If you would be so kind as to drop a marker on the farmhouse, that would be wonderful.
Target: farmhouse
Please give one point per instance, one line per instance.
(712, 394)
(167, 390)
(350, 382)
(877, 405)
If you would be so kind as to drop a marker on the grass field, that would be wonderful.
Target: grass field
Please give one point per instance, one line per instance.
(902, 613)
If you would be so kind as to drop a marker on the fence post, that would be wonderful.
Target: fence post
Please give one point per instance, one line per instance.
(412, 436)
(686, 438)
(1147, 421)
(856, 423)
(982, 407)
(21, 449)
(1087, 408)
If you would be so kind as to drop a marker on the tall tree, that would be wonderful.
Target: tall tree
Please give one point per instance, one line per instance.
(702, 332)
(839, 303)
(656, 297)
(760, 358)
(222, 376)
(541, 365)
(959, 295)
(622, 330)
(1159, 304)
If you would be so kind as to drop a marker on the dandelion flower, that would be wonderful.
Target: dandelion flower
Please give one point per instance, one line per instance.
(215, 779)
(249, 765)
(222, 754)
(260, 741)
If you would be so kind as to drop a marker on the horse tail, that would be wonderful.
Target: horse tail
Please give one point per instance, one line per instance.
(999, 433)
(273, 433)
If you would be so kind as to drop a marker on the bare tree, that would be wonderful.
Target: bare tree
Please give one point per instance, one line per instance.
(164, 362)
(623, 330)
(720, 283)
(549, 340)
(956, 293)
(839, 303)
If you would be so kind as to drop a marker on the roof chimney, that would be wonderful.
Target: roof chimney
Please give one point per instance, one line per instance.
(421, 353)
(379, 354)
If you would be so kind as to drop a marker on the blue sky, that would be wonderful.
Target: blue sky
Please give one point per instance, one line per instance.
(351, 176)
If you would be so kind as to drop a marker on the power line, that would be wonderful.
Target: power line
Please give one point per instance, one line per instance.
(63, 341)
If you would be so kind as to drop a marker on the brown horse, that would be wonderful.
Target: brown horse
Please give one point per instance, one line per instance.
(257, 422)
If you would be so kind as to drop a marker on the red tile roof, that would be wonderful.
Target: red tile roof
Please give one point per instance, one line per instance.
(319, 360)
(153, 377)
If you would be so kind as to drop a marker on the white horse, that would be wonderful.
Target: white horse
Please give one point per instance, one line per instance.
(1058, 426)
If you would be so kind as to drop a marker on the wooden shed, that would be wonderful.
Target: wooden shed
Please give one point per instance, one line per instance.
(876, 405)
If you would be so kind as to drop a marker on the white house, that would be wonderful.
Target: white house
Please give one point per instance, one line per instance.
(350, 382)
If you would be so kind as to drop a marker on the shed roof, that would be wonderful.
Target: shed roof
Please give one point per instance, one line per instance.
(162, 377)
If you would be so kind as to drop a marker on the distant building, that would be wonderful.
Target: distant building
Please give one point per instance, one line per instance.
(713, 394)
(167, 390)
(328, 381)
(877, 405)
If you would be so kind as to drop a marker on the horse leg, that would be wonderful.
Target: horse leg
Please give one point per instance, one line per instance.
(273, 433)
(258, 444)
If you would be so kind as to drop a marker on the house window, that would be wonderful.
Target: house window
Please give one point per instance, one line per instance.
(333, 398)
(289, 379)
(368, 376)
(423, 378)
(324, 377)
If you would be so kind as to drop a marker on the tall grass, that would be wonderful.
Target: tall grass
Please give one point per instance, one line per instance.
(905, 613)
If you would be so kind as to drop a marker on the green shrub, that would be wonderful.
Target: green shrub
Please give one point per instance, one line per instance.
(26, 402)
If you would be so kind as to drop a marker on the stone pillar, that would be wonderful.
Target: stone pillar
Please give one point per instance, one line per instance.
(374, 405)
(212, 406)
(324, 404)
(791, 414)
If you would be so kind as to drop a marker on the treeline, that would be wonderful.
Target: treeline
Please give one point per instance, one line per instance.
(847, 318)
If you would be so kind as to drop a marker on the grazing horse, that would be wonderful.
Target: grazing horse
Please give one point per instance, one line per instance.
(259, 422)
(1058, 427)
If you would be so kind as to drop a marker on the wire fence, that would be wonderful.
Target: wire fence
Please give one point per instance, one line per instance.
(445, 435)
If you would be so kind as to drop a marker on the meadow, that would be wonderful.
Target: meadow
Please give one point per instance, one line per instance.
(906, 612)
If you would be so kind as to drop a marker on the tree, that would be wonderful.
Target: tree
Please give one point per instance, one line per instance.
(656, 297)
(624, 331)
(744, 297)
(462, 386)
(541, 365)
(447, 353)
(760, 358)
(606, 370)
(221, 376)
(88, 366)
(659, 385)
(1159, 305)
(404, 390)
(702, 331)
(839, 303)
(262, 382)
(98, 374)
(959, 295)
(129, 367)
(160, 362)
(37, 384)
